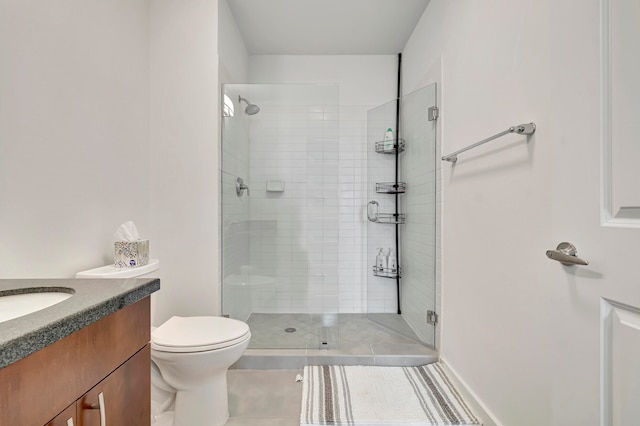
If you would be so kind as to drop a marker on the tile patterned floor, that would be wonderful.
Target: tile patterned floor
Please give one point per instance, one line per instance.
(262, 386)
(269, 331)
(264, 397)
(352, 339)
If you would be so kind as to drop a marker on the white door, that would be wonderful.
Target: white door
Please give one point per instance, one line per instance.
(595, 189)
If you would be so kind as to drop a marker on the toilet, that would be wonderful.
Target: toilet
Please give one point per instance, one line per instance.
(193, 355)
(190, 358)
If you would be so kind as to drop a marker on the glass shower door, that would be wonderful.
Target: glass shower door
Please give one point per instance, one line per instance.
(415, 297)
(279, 237)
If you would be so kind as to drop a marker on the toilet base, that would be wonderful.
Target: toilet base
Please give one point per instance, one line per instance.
(206, 404)
(164, 419)
(198, 373)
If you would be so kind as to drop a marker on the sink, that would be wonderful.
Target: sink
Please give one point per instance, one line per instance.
(16, 305)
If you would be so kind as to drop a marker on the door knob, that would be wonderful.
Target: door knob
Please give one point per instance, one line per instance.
(567, 254)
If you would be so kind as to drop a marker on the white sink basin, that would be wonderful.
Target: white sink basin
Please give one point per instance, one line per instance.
(17, 305)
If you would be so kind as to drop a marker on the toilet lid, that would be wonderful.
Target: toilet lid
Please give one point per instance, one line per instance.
(197, 334)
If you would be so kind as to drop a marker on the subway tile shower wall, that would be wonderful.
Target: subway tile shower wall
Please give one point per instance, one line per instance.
(311, 237)
(382, 293)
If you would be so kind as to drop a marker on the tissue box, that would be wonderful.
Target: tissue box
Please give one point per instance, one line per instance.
(131, 254)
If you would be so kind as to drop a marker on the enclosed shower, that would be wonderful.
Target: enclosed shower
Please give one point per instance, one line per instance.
(298, 170)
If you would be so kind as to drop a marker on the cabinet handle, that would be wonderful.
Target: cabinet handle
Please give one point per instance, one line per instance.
(101, 407)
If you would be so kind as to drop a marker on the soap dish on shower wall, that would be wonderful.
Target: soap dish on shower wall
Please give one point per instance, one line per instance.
(275, 185)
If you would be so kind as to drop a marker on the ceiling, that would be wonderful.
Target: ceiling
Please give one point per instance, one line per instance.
(326, 27)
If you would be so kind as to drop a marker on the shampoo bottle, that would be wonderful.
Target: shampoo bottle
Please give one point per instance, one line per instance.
(381, 261)
(392, 262)
(388, 140)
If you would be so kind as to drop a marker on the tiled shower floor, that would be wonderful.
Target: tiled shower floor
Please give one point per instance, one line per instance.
(350, 339)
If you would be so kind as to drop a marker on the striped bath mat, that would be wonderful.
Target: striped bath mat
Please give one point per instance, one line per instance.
(380, 396)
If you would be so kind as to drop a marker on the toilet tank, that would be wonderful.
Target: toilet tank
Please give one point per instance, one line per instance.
(110, 271)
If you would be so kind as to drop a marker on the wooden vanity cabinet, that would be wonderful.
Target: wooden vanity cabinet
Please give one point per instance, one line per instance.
(63, 380)
(66, 418)
(126, 395)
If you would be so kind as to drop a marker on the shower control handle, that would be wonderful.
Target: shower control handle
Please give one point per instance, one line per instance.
(240, 187)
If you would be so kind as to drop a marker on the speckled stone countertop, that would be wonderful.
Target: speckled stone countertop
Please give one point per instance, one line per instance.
(92, 300)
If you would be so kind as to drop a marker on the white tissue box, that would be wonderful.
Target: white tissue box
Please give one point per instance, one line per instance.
(130, 254)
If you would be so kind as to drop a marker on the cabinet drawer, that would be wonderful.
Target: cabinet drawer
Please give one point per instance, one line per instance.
(126, 395)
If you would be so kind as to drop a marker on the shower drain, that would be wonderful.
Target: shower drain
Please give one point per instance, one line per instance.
(290, 330)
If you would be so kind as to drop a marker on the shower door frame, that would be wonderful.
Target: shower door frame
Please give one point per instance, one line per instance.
(271, 218)
(419, 310)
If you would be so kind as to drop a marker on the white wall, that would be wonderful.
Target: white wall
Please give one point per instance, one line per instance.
(184, 123)
(364, 80)
(508, 320)
(74, 138)
(232, 51)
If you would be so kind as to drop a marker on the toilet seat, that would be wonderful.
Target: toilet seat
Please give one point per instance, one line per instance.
(198, 334)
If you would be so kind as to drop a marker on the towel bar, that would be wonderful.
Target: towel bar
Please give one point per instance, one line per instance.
(522, 129)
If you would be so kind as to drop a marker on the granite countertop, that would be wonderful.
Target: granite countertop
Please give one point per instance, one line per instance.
(92, 300)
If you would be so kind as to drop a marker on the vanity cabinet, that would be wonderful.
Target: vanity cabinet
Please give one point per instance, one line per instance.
(125, 394)
(64, 380)
(66, 418)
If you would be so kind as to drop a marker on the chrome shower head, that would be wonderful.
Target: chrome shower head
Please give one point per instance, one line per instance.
(251, 109)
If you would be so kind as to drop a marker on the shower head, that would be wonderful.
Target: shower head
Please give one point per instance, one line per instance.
(251, 109)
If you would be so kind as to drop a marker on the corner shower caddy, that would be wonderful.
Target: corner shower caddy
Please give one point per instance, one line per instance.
(398, 147)
(394, 188)
(386, 272)
(393, 147)
(377, 217)
(391, 187)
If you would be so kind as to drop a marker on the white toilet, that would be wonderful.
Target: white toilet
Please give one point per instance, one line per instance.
(192, 356)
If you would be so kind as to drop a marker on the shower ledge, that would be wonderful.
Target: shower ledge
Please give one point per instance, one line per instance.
(404, 355)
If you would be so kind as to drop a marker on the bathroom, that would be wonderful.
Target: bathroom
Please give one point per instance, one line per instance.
(106, 116)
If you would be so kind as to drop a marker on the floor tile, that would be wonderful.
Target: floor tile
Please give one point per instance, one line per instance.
(262, 422)
(264, 394)
(353, 339)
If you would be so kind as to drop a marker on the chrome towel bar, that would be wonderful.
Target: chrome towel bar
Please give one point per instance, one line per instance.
(521, 129)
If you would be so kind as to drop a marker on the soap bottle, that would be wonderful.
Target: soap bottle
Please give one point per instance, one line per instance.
(381, 261)
(392, 262)
(388, 140)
